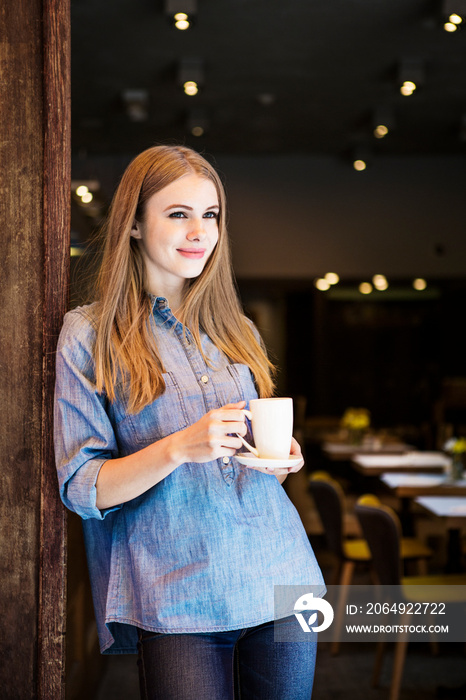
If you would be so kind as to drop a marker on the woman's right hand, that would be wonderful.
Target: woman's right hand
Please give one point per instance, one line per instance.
(212, 436)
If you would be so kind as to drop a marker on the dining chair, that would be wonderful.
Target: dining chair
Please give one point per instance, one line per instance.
(329, 499)
(382, 530)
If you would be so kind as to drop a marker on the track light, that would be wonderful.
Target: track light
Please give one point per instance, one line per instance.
(453, 14)
(360, 158)
(136, 103)
(181, 12)
(197, 122)
(411, 76)
(191, 75)
(382, 122)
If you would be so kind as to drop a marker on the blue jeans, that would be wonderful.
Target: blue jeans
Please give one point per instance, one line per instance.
(242, 664)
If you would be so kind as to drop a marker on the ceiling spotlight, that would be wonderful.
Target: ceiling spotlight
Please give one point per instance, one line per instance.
(197, 122)
(360, 157)
(191, 75)
(182, 21)
(359, 164)
(453, 14)
(136, 103)
(411, 75)
(383, 122)
(380, 131)
(191, 87)
(181, 12)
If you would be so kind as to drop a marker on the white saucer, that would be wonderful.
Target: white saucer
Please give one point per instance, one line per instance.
(249, 460)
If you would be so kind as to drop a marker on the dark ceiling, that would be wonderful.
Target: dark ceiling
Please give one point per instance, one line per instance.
(279, 76)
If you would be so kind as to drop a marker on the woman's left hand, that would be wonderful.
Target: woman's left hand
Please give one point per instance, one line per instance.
(282, 472)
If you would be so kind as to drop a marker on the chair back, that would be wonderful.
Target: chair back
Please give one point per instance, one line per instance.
(329, 500)
(382, 530)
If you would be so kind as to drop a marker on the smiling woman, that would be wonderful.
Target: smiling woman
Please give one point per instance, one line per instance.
(184, 543)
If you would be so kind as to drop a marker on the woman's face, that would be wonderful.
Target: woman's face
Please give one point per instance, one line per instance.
(178, 234)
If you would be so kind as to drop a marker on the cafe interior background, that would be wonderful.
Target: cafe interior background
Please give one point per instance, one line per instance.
(339, 129)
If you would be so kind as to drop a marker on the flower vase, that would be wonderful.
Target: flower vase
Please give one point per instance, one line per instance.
(457, 466)
(355, 436)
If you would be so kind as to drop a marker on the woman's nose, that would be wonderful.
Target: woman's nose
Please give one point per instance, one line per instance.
(196, 230)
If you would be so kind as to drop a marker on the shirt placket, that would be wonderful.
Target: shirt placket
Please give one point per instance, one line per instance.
(203, 377)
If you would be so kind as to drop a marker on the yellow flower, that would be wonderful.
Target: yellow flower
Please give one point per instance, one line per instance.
(356, 418)
(459, 446)
(456, 445)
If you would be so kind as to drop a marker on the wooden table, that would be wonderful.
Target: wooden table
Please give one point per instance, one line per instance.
(412, 485)
(408, 486)
(344, 451)
(377, 464)
(452, 509)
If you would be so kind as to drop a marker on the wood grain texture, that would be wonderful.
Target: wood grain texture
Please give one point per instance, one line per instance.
(34, 204)
(56, 233)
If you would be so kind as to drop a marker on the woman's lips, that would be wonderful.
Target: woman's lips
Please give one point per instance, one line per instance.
(193, 253)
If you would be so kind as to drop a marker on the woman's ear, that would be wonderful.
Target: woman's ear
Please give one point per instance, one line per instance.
(135, 232)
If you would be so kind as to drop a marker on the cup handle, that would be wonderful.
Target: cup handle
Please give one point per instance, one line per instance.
(252, 449)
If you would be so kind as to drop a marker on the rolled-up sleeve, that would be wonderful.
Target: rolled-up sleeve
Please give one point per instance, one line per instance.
(83, 434)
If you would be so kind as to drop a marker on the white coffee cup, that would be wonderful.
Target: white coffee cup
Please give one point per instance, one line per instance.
(272, 427)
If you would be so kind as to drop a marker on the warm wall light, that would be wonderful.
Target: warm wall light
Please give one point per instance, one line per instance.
(332, 278)
(322, 284)
(380, 282)
(419, 284)
(365, 288)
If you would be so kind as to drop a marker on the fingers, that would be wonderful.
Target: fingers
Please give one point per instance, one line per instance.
(238, 405)
(295, 449)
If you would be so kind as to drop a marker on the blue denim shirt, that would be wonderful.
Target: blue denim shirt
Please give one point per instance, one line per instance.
(201, 550)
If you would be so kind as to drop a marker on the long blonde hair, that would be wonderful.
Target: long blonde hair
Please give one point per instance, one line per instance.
(125, 349)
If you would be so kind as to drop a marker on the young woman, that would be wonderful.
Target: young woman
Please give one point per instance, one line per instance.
(184, 544)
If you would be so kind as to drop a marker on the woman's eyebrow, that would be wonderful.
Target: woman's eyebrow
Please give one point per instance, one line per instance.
(186, 206)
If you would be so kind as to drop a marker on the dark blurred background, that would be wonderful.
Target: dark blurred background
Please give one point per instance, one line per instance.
(289, 96)
(328, 168)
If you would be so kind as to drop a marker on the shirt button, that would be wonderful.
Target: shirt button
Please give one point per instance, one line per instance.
(226, 460)
(204, 379)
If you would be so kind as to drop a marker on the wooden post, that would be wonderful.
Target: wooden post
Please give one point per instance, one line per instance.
(34, 253)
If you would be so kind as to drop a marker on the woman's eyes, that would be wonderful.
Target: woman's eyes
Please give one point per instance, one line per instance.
(182, 215)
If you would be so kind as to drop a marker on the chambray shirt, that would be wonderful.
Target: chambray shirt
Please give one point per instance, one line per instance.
(201, 550)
